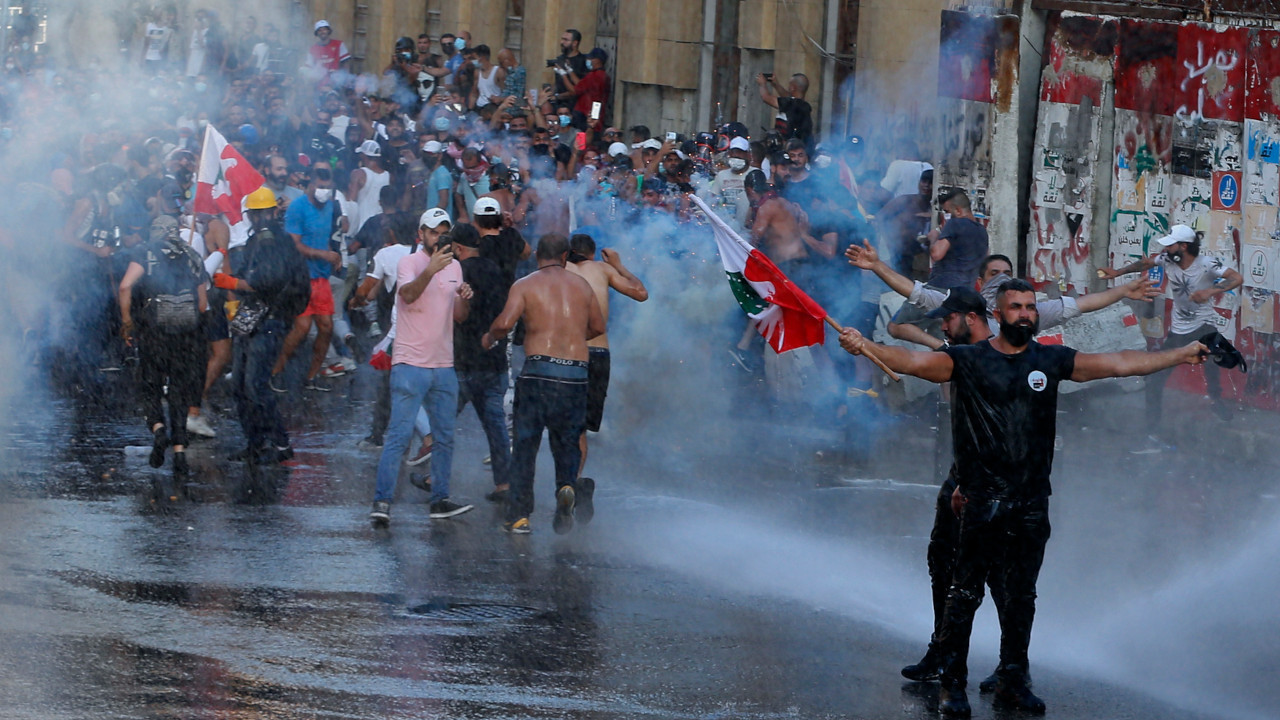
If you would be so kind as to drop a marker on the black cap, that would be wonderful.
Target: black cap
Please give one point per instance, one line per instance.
(961, 300)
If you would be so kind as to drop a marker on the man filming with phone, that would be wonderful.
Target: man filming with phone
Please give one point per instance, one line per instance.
(795, 115)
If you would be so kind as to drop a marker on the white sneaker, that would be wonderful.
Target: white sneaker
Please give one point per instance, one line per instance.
(197, 425)
(348, 364)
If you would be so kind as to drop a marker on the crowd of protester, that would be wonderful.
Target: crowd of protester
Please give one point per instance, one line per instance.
(443, 124)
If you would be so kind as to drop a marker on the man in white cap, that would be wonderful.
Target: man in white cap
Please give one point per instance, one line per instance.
(440, 180)
(1193, 280)
(367, 181)
(328, 53)
(431, 296)
(727, 186)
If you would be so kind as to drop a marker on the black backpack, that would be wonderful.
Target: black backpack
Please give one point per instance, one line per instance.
(174, 272)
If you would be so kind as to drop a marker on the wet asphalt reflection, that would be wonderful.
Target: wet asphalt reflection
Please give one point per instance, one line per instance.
(264, 592)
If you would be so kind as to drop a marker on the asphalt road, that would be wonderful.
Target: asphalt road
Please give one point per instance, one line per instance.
(740, 565)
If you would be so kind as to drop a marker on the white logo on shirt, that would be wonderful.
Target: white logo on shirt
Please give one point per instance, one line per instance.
(1037, 380)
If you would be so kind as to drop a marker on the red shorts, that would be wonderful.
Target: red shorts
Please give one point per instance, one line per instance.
(321, 298)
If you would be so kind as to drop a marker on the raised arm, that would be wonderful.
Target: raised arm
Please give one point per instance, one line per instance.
(867, 258)
(621, 279)
(1135, 266)
(1140, 289)
(931, 366)
(412, 290)
(1093, 366)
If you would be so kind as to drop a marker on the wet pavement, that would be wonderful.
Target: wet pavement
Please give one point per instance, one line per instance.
(736, 568)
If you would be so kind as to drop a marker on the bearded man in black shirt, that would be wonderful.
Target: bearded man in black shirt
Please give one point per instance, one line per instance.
(1005, 401)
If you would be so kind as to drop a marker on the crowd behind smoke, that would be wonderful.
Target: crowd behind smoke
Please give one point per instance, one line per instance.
(129, 131)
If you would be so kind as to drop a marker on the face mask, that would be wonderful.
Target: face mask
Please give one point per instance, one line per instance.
(736, 164)
(324, 195)
(202, 124)
(946, 216)
(822, 161)
(201, 87)
(459, 43)
(564, 120)
(475, 63)
(441, 124)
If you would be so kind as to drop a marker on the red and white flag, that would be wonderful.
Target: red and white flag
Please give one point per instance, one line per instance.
(224, 178)
(783, 313)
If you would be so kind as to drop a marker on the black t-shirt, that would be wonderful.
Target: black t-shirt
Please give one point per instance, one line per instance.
(504, 250)
(968, 249)
(1004, 418)
(486, 281)
(577, 63)
(799, 121)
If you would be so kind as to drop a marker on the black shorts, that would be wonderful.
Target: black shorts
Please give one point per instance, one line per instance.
(216, 325)
(597, 387)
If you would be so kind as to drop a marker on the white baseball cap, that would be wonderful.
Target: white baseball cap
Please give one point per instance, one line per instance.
(432, 146)
(486, 206)
(740, 143)
(652, 144)
(370, 148)
(321, 24)
(1179, 233)
(617, 149)
(433, 217)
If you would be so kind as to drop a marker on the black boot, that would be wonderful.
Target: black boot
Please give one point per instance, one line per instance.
(180, 467)
(160, 441)
(953, 702)
(928, 669)
(1013, 690)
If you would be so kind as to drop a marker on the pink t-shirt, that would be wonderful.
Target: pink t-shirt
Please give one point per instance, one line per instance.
(424, 328)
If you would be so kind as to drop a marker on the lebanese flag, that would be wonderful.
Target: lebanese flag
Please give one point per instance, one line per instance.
(784, 315)
(224, 178)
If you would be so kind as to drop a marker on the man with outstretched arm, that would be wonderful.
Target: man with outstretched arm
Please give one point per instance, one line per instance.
(1005, 397)
(995, 271)
(560, 315)
(1194, 280)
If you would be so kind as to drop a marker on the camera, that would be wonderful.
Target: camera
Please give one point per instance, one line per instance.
(551, 63)
(768, 77)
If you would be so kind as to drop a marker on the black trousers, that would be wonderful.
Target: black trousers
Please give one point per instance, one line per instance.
(1005, 540)
(944, 543)
(178, 361)
(560, 407)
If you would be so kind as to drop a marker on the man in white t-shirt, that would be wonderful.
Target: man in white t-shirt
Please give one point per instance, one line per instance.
(728, 186)
(902, 177)
(1193, 280)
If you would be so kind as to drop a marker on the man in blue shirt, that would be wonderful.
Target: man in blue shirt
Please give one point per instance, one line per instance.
(309, 222)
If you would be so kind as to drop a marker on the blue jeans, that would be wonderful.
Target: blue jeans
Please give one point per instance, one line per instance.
(251, 377)
(411, 388)
(485, 391)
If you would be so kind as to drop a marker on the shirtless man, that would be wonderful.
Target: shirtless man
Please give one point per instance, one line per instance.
(560, 315)
(780, 228)
(601, 276)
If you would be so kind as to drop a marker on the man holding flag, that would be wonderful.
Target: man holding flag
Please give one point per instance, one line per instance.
(780, 311)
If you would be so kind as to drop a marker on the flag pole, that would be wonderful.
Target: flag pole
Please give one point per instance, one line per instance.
(867, 353)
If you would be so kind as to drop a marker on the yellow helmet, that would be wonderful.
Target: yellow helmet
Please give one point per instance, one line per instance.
(261, 199)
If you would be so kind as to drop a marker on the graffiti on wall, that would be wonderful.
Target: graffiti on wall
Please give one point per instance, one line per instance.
(1063, 181)
(1196, 140)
